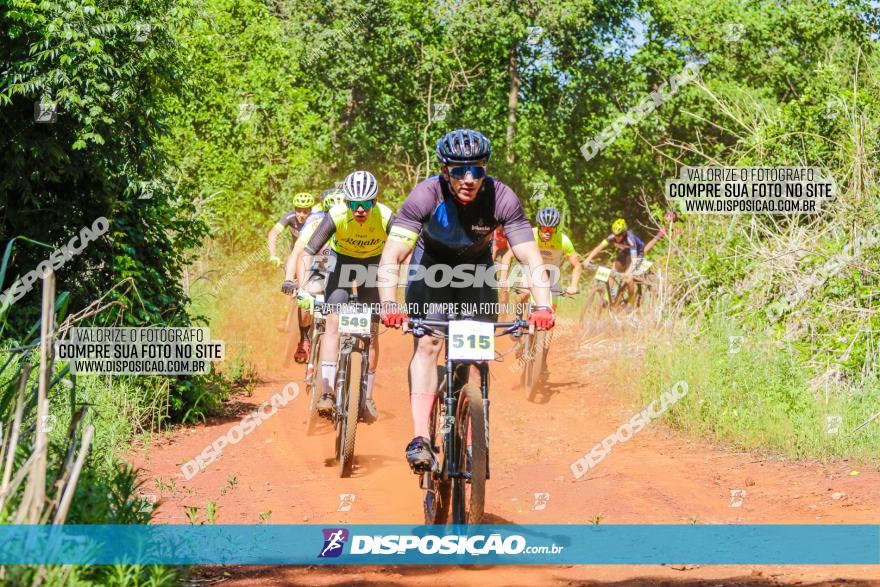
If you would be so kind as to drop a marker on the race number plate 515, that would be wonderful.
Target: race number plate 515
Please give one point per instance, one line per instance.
(470, 340)
(354, 323)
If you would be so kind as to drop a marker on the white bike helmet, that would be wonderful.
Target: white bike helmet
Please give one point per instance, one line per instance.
(359, 186)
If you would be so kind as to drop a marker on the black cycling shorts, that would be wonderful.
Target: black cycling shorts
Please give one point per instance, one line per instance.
(419, 296)
(624, 258)
(352, 270)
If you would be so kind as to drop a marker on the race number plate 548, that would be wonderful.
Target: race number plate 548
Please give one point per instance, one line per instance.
(354, 323)
(470, 340)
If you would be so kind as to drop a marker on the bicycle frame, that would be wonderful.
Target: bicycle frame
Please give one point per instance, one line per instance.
(449, 469)
(343, 424)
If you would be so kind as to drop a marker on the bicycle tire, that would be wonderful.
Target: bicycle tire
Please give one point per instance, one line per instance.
(290, 345)
(339, 387)
(526, 357)
(436, 499)
(470, 410)
(314, 388)
(352, 386)
(536, 365)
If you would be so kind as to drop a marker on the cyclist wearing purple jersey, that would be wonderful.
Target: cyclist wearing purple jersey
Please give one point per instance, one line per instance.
(450, 219)
(631, 252)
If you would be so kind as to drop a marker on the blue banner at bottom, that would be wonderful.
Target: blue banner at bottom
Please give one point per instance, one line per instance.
(433, 545)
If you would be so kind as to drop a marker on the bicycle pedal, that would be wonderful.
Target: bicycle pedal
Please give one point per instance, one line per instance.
(420, 469)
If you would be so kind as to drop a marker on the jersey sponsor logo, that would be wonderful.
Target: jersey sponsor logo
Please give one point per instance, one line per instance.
(360, 242)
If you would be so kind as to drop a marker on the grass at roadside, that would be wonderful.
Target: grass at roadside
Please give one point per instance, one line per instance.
(754, 394)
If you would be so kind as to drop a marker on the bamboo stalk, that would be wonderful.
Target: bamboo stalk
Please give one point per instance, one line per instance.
(68, 465)
(16, 431)
(37, 481)
(13, 485)
(61, 514)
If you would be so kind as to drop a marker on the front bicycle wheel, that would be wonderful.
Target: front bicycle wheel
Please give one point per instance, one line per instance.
(349, 415)
(469, 488)
(438, 492)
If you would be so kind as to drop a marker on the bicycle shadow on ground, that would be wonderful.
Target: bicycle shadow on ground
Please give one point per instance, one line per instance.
(365, 465)
(548, 390)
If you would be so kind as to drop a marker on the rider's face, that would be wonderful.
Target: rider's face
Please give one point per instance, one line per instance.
(465, 190)
(361, 215)
(302, 214)
(546, 232)
(619, 237)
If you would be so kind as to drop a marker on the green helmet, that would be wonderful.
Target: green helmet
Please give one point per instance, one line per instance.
(303, 200)
(332, 197)
(619, 226)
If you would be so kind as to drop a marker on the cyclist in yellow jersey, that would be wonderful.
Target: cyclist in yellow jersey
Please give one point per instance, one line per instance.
(357, 231)
(554, 245)
(315, 268)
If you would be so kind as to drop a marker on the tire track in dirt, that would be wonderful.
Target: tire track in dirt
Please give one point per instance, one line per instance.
(656, 477)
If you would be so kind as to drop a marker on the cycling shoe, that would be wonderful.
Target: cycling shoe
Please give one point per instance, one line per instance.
(419, 455)
(326, 406)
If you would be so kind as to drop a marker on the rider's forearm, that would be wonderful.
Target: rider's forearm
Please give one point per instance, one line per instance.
(504, 266)
(271, 240)
(290, 270)
(576, 270)
(389, 269)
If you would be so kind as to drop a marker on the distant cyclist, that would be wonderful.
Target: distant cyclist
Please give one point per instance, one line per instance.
(303, 206)
(450, 220)
(631, 252)
(357, 232)
(315, 269)
(554, 246)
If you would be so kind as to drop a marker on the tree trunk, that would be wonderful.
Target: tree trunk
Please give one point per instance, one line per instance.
(512, 102)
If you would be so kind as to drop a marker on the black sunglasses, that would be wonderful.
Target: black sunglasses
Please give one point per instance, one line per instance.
(476, 171)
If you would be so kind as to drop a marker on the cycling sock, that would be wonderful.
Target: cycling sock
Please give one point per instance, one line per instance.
(328, 375)
(371, 377)
(421, 404)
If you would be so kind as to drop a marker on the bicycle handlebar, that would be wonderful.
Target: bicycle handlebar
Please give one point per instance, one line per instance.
(420, 327)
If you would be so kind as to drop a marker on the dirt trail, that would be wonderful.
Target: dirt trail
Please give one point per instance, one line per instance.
(656, 477)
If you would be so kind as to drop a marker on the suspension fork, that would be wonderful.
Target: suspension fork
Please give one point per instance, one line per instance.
(451, 467)
(364, 347)
(484, 391)
(346, 347)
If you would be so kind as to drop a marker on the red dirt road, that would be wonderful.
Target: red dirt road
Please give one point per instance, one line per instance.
(656, 477)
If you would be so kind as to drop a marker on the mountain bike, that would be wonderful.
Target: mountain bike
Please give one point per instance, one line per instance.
(456, 484)
(532, 353)
(610, 292)
(356, 331)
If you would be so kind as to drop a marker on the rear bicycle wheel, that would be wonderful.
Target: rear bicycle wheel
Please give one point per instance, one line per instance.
(350, 412)
(469, 491)
(526, 353)
(439, 490)
(314, 384)
(535, 367)
(290, 345)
